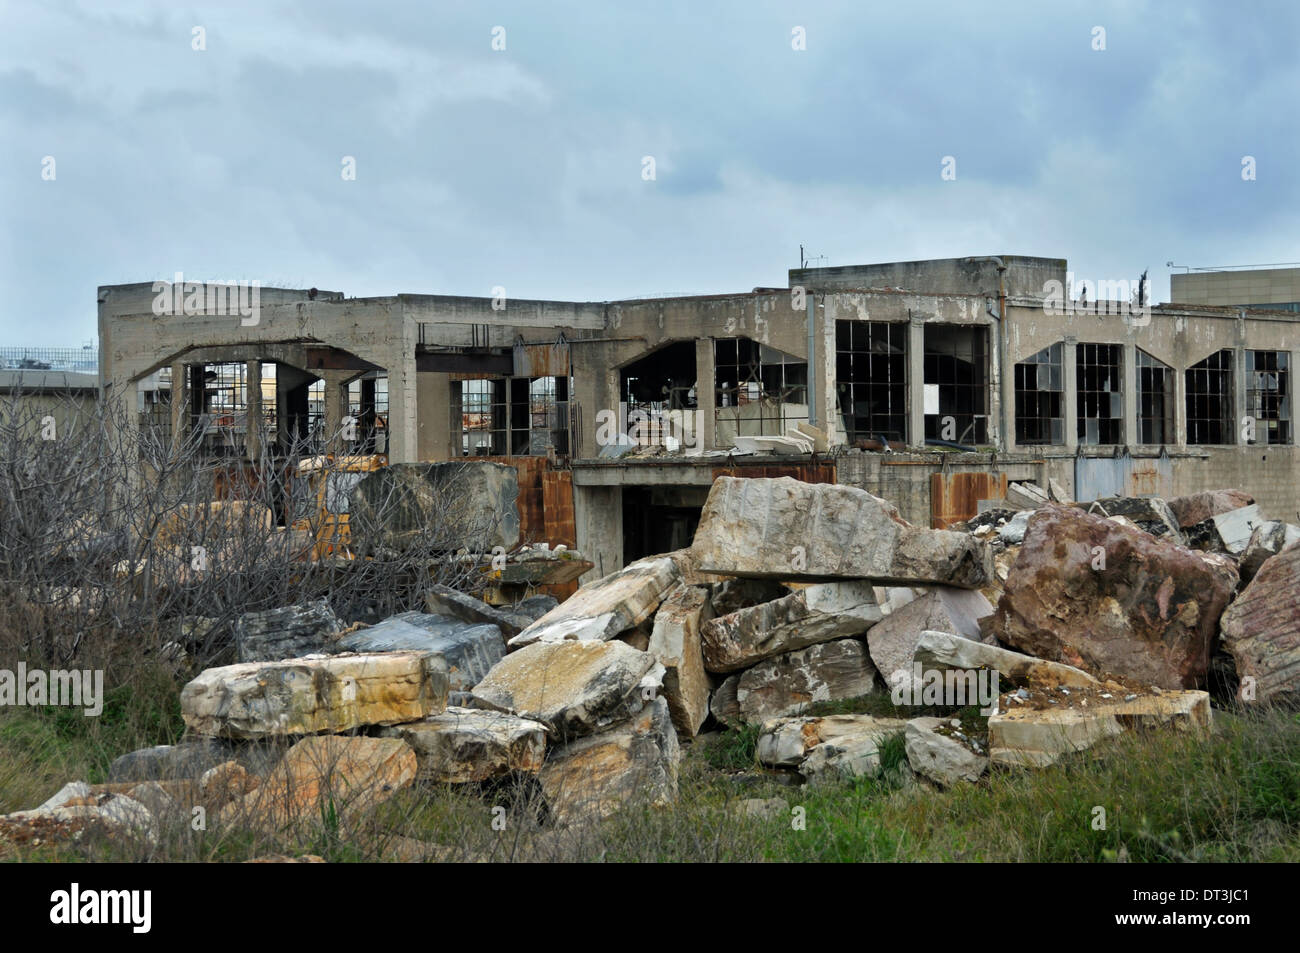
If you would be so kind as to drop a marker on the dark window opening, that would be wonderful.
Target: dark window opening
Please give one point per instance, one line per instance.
(1209, 400)
(871, 379)
(1155, 381)
(1268, 395)
(758, 389)
(1040, 404)
(956, 383)
(1098, 380)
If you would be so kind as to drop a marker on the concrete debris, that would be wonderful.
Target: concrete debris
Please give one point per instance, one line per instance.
(1268, 539)
(463, 745)
(574, 688)
(1261, 630)
(934, 752)
(787, 684)
(450, 603)
(675, 642)
(1026, 496)
(1037, 734)
(405, 506)
(635, 763)
(1089, 593)
(469, 650)
(893, 640)
(1148, 513)
(314, 694)
(787, 529)
(1013, 531)
(829, 748)
(1057, 493)
(1199, 507)
(810, 614)
(284, 633)
(608, 607)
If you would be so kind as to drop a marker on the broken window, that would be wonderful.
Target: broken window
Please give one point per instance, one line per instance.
(367, 405)
(219, 406)
(956, 384)
(1268, 395)
(871, 379)
(1155, 382)
(758, 389)
(512, 416)
(1040, 403)
(1209, 400)
(1098, 376)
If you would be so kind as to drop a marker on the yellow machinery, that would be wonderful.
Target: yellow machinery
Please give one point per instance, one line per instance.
(329, 479)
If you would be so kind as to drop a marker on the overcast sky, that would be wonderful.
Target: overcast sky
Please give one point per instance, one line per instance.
(523, 167)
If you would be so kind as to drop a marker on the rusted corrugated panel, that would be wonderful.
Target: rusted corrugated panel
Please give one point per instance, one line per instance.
(542, 360)
(954, 496)
(557, 508)
(807, 472)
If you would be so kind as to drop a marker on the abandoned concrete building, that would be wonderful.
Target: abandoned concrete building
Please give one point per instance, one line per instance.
(929, 383)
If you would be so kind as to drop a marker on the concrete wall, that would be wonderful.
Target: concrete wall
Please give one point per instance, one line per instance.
(970, 276)
(1258, 287)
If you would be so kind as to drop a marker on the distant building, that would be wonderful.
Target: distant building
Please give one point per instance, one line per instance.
(1275, 289)
(35, 394)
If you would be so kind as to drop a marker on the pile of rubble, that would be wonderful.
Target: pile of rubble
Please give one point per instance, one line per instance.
(1063, 623)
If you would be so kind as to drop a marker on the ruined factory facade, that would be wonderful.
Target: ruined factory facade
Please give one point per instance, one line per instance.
(931, 383)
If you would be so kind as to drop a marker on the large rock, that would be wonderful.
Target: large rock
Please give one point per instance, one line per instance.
(1150, 615)
(724, 706)
(436, 507)
(1261, 630)
(450, 603)
(1268, 539)
(574, 688)
(75, 812)
(323, 777)
(189, 759)
(1199, 507)
(605, 609)
(287, 632)
(634, 763)
(933, 752)
(1035, 736)
(469, 650)
(820, 612)
(892, 641)
(310, 695)
(461, 745)
(675, 643)
(836, 746)
(787, 529)
(943, 651)
(787, 684)
(732, 595)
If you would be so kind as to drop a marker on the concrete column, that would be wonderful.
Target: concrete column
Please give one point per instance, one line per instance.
(1070, 373)
(253, 411)
(705, 394)
(180, 402)
(916, 382)
(434, 392)
(1239, 379)
(1180, 406)
(336, 408)
(1130, 435)
(403, 401)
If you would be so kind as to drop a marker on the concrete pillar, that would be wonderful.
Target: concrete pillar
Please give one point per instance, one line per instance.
(705, 394)
(598, 523)
(1130, 435)
(403, 402)
(1240, 380)
(1180, 406)
(253, 411)
(434, 393)
(180, 402)
(916, 381)
(1070, 373)
(336, 408)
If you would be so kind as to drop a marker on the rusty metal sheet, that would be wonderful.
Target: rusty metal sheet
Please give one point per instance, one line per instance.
(954, 496)
(557, 508)
(542, 360)
(807, 472)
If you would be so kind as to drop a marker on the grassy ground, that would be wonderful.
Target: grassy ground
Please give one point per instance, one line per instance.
(1166, 796)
